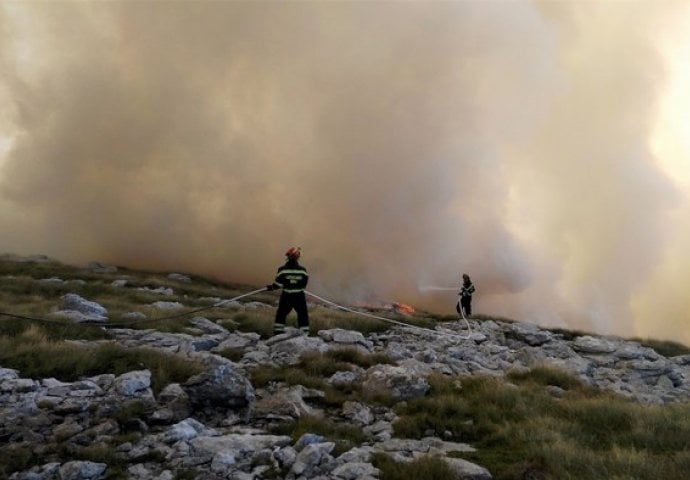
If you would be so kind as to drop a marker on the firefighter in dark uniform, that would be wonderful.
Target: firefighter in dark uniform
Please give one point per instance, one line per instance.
(464, 305)
(292, 278)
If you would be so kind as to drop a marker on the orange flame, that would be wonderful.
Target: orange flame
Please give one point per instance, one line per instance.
(404, 308)
(389, 307)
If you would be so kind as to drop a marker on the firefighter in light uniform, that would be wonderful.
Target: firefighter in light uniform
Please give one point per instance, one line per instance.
(292, 278)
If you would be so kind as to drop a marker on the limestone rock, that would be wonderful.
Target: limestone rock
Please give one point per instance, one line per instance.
(220, 385)
(398, 381)
(77, 470)
(85, 310)
(179, 277)
(467, 470)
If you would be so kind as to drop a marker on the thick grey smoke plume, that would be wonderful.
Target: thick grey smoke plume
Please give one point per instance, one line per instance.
(398, 143)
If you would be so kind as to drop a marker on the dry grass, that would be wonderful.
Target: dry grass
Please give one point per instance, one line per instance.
(345, 435)
(522, 431)
(424, 468)
(28, 350)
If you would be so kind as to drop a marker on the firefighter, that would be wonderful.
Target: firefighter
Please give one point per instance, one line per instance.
(464, 305)
(292, 278)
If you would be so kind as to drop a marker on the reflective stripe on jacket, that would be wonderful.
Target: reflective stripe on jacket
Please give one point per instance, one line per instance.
(292, 277)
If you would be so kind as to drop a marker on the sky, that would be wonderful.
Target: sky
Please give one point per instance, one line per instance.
(541, 147)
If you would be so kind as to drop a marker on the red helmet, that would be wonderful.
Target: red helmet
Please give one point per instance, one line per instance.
(293, 253)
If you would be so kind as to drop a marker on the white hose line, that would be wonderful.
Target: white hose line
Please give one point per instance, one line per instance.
(426, 288)
(389, 320)
(178, 315)
(469, 329)
(238, 297)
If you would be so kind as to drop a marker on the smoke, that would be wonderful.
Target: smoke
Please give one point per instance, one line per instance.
(398, 143)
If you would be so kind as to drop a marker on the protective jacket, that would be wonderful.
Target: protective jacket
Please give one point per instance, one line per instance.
(464, 305)
(292, 277)
(467, 290)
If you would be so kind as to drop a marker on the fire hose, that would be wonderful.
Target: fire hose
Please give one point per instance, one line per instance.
(222, 302)
(217, 304)
(341, 307)
(395, 322)
(328, 302)
(138, 322)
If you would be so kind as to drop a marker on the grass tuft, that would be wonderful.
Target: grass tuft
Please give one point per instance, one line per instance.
(424, 468)
(521, 431)
(70, 362)
(344, 435)
(546, 375)
(665, 348)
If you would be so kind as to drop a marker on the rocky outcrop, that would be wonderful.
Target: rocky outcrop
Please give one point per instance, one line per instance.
(612, 363)
(222, 385)
(400, 382)
(80, 310)
(179, 277)
(215, 423)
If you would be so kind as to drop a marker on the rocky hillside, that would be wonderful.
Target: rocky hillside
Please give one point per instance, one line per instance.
(322, 406)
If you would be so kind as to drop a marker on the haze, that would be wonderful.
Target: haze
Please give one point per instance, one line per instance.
(541, 147)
